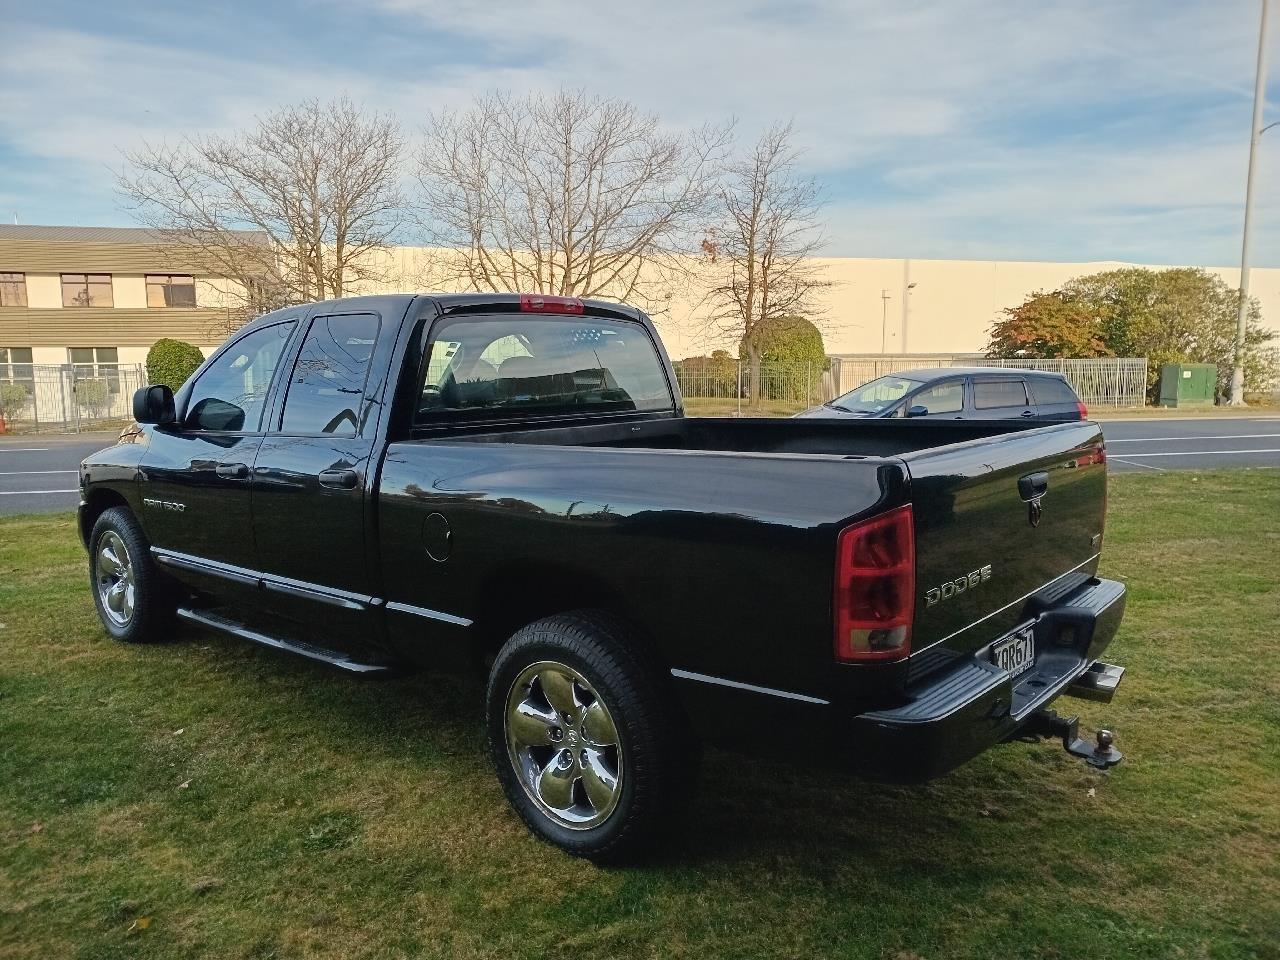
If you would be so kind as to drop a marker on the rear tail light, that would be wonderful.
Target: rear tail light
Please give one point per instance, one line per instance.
(1084, 411)
(537, 303)
(875, 588)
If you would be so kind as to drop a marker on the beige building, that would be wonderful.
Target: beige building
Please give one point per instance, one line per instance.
(94, 296)
(100, 295)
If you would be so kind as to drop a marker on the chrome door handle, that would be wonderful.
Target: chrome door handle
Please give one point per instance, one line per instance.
(1027, 414)
(232, 471)
(339, 479)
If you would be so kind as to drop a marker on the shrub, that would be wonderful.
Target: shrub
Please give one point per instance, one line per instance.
(171, 362)
(792, 359)
(13, 397)
(94, 396)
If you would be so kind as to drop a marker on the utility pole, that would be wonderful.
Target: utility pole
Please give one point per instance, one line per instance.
(884, 320)
(1259, 101)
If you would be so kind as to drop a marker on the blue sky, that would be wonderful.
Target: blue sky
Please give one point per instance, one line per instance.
(1041, 130)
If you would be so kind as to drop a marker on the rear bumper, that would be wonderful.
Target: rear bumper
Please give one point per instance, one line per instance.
(970, 707)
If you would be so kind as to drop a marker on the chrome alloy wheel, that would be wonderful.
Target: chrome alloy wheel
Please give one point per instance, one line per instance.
(114, 574)
(564, 745)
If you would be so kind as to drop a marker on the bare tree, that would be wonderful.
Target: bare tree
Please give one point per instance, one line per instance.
(566, 194)
(760, 258)
(293, 210)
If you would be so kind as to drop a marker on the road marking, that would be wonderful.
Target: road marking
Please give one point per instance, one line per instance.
(1145, 466)
(31, 473)
(1223, 436)
(4, 449)
(1200, 453)
(26, 493)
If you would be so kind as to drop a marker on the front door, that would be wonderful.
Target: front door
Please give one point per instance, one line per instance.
(197, 507)
(311, 480)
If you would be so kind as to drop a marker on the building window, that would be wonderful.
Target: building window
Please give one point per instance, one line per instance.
(96, 363)
(86, 289)
(170, 290)
(13, 291)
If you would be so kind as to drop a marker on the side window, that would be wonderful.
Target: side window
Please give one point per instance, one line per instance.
(988, 394)
(327, 383)
(1049, 390)
(230, 394)
(947, 397)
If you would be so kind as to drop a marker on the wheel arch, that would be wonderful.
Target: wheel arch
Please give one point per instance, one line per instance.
(97, 502)
(511, 598)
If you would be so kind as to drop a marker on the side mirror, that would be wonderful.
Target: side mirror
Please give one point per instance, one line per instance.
(154, 404)
(917, 410)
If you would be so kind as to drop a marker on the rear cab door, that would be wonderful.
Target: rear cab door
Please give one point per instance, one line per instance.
(312, 507)
(1001, 397)
(1054, 398)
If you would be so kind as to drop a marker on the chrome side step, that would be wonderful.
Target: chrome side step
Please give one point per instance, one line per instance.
(332, 658)
(1098, 683)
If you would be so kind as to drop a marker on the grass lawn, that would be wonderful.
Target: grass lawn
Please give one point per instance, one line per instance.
(210, 799)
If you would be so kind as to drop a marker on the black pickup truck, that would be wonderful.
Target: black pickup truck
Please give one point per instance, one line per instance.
(508, 482)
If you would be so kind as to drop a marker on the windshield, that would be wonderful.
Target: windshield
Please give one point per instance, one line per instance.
(875, 396)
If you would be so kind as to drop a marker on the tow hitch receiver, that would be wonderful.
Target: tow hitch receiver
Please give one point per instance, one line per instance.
(1102, 754)
(1098, 683)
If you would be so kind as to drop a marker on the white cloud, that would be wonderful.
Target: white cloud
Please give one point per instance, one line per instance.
(962, 128)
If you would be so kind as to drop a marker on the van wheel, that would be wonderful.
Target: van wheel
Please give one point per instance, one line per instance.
(583, 737)
(135, 602)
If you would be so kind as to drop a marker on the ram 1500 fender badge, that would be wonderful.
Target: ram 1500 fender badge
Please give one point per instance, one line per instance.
(164, 504)
(946, 591)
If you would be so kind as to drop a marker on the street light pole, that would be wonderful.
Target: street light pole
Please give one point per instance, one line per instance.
(884, 320)
(1242, 316)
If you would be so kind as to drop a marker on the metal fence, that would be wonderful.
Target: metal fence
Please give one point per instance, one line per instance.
(1104, 381)
(722, 386)
(68, 397)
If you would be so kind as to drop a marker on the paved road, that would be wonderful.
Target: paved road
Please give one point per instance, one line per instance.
(38, 473)
(1203, 443)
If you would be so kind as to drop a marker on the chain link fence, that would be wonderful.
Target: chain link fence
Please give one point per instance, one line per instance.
(68, 398)
(719, 387)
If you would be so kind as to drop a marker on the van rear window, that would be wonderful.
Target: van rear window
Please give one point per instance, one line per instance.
(519, 365)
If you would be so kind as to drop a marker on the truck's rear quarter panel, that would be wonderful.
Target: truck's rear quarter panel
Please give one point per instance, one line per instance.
(724, 559)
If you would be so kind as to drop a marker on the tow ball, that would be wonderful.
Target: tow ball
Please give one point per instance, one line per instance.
(1101, 754)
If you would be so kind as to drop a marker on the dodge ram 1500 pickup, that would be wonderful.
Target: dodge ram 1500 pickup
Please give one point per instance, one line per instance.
(509, 483)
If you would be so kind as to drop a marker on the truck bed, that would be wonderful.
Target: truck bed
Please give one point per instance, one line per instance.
(839, 438)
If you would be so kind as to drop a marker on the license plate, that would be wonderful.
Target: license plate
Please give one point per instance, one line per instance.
(1015, 654)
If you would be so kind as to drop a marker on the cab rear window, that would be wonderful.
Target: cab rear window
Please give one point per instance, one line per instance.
(518, 365)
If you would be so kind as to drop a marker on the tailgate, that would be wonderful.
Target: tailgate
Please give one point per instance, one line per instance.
(999, 522)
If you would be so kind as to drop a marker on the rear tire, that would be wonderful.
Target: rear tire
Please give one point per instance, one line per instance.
(134, 599)
(586, 742)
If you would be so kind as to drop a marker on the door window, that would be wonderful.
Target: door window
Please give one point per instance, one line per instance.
(231, 393)
(989, 394)
(327, 383)
(945, 397)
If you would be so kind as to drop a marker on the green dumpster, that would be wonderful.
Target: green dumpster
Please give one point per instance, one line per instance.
(1188, 384)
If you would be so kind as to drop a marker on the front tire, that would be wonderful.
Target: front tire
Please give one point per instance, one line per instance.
(134, 600)
(585, 741)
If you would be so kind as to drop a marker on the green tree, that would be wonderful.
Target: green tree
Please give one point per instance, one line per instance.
(1048, 325)
(1181, 315)
(171, 362)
